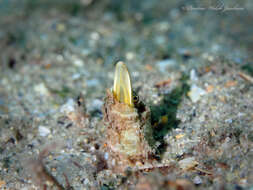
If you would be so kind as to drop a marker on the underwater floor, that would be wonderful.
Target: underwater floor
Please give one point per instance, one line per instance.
(190, 62)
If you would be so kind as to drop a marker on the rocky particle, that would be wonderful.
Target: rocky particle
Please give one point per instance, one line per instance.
(41, 89)
(229, 121)
(68, 107)
(95, 36)
(96, 104)
(60, 27)
(130, 56)
(197, 180)
(193, 75)
(196, 93)
(43, 131)
(165, 64)
(106, 156)
(78, 62)
(92, 82)
(76, 76)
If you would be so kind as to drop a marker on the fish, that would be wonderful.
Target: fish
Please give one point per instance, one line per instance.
(129, 132)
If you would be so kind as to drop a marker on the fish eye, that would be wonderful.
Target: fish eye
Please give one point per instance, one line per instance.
(135, 98)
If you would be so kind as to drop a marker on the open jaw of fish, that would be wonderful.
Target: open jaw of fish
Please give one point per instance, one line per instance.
(128, 128)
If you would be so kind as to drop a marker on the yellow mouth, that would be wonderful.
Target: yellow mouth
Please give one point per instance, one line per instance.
(122, 88)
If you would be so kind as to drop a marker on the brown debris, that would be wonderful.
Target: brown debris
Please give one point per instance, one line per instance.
(149, 67)
(222, 99)
(163, 83)
(222, 165)
(2, 183)
(245, 77)
(230, 83)
(209, 88)
(207, 69)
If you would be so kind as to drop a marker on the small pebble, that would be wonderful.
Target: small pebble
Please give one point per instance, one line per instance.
(196, 93)
(43, 131)
(229, 121)
(95, 36)
(78, 62)
(193, 75)
(96, 105)
(68, 107)
(92, 82)
(41, 89)
(160, 40)
(59, 58)
(85, 181)
(106, 156)
(76, 76)
(165, 64)
(197, 180)
(163, 26)
(60, 27)
(130, 55)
